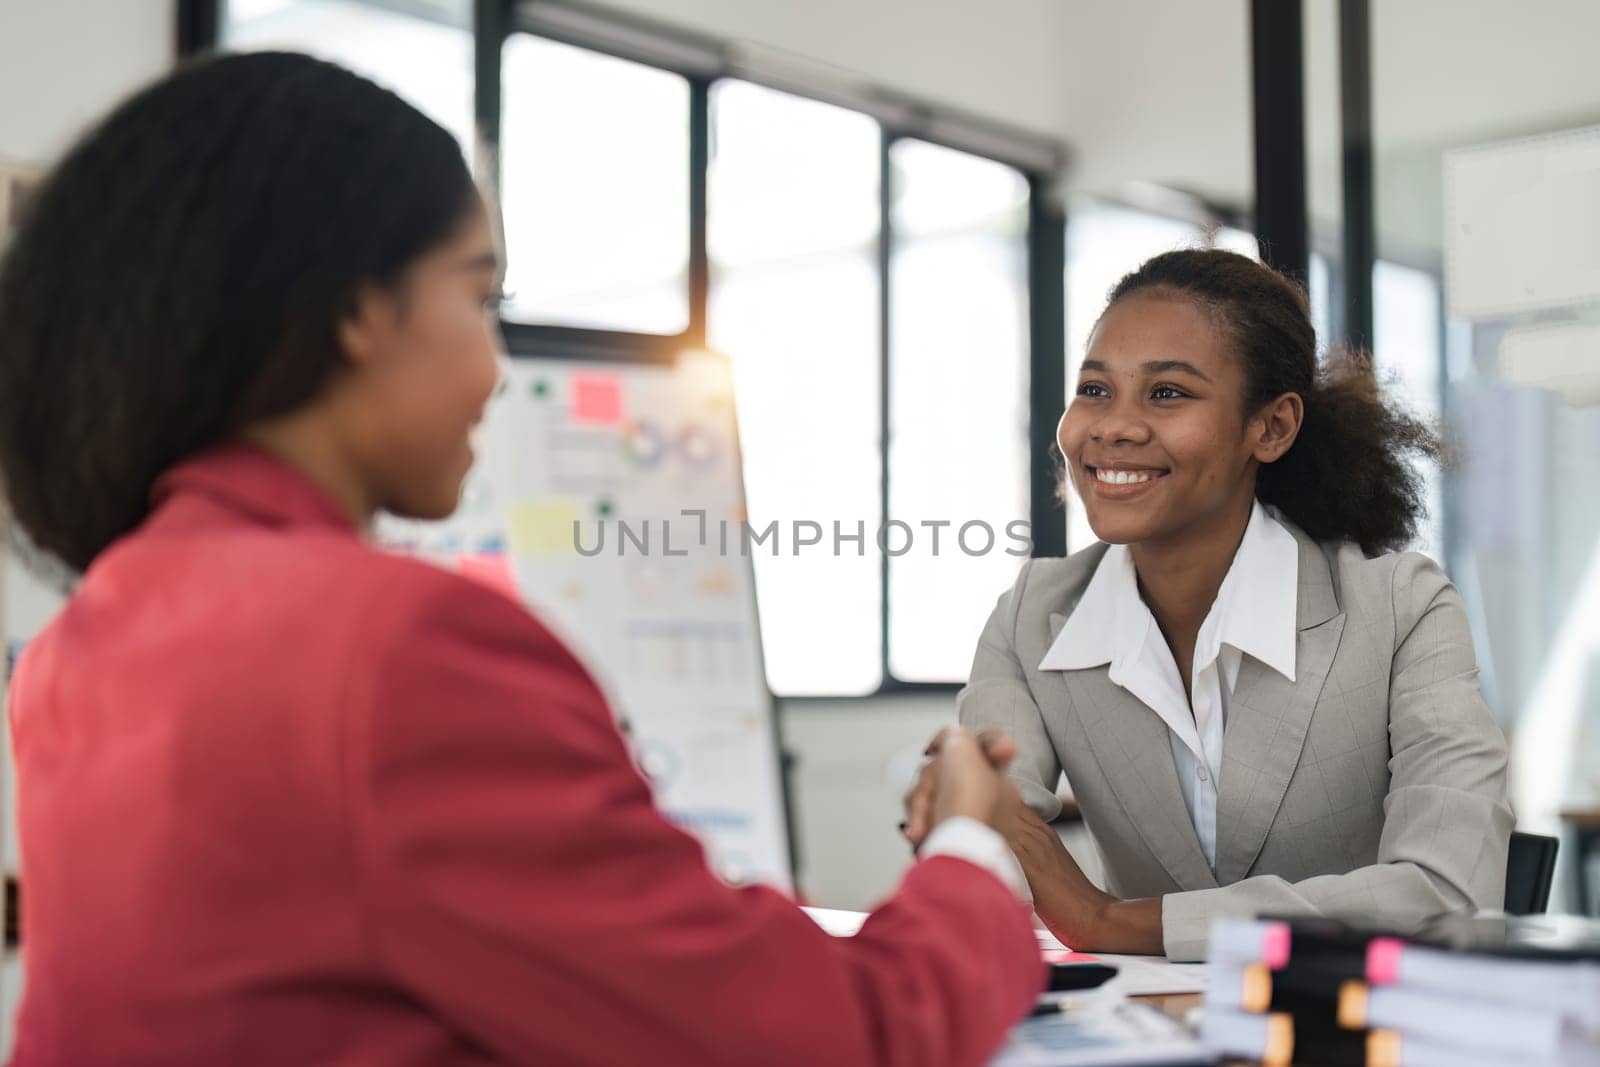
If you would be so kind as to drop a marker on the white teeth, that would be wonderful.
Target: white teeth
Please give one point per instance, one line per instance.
(1123, 477)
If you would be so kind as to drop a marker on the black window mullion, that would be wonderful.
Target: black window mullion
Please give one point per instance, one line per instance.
(699, 167)
(1047, 363)
(1360, 221)
(1277, 64)
(199, 26)
(490, 27)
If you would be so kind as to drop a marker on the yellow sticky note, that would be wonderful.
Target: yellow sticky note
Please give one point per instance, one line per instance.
(544, 527)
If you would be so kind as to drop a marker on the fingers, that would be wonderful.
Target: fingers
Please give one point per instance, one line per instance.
(999, 747)
(958, 745)
(959, 774)
(967, 784)
(939, 739)
(949, 733)
(919, 806)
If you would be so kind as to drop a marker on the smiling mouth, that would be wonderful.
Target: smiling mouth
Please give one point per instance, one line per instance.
(1124, 476)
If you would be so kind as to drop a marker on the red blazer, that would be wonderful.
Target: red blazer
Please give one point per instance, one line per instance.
(286, 799)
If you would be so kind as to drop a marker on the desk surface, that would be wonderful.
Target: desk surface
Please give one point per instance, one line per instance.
(1583, 818)
(1179, 1005)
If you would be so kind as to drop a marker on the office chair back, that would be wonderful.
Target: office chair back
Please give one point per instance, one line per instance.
(1530, 868)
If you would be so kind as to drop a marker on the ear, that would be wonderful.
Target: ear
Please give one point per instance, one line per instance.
(1276, 426)
(367, 328)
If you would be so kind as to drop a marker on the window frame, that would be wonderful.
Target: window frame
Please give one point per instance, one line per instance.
(703, 63)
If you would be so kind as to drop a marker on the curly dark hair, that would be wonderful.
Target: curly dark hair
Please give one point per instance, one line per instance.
(183, 272)
(1349, 475)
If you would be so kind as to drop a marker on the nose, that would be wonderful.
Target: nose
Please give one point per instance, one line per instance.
(1117, 424)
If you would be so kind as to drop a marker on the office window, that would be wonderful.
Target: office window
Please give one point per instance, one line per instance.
(958, 412)
(1407, 328)
(792, 232)
(594, 189)
(1319, 283)
(793, 236)
(426, 57)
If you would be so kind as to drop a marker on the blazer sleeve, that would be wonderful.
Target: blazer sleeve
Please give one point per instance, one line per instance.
(1447, 825)
(521, 884)
(997, 697)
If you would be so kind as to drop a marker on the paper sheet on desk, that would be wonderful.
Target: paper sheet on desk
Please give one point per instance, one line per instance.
(1137, 976)
(1145, 976)
(1100, 1028)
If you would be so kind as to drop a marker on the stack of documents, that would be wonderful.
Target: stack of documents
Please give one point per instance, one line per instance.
(1463, 992)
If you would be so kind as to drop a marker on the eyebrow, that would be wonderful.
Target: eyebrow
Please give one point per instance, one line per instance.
(1155, 366)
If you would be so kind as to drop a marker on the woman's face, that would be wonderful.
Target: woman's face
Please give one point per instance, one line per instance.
(1155, 440)
(425, 359)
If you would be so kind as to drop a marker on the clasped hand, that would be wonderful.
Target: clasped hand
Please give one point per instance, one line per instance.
(964, 775)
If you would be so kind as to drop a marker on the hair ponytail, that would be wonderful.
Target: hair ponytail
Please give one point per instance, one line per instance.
(1349, 475)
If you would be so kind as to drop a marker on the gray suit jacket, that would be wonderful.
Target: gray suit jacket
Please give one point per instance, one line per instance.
(1373, 786)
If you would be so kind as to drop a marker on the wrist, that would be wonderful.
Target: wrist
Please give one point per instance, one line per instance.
(1131, 926)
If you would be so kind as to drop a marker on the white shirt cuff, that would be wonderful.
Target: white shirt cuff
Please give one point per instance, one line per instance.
(968, 839)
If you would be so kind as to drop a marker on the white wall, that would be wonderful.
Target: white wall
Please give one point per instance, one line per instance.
(855, 759)
(63, 61)
(999, 58)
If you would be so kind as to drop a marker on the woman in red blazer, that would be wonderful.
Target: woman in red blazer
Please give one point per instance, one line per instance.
(285, 799)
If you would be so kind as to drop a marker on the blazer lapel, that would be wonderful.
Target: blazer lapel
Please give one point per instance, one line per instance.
(1268, 718)
(1131, 743)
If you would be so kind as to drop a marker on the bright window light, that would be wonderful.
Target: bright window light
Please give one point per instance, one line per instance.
(792, 234)
(594, 189)
(958, 416)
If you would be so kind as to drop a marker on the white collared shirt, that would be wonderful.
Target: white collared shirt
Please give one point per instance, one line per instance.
(1254, 615)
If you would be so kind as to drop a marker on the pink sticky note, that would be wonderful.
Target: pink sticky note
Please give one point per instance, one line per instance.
(596, 398)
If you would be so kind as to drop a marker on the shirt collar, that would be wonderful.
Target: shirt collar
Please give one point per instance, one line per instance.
(247, 479)
(1254, 611)
(1105, 619)
(1255, 607)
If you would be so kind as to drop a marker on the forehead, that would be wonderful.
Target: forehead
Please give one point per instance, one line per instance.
(1158, 326)
(471, 239)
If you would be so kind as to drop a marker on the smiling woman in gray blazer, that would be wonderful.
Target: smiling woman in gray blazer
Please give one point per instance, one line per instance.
(1261, 707)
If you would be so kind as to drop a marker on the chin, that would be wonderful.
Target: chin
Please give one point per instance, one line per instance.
(1120, 529)
(430, 505)
(439, 510)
